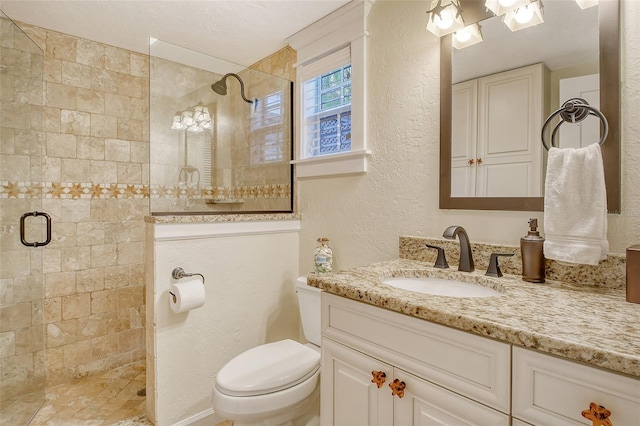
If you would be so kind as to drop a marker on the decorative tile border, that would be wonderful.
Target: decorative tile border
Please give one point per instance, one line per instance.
(85, 190)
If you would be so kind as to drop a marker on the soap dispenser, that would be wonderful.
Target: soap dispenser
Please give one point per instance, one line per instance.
(531, 248)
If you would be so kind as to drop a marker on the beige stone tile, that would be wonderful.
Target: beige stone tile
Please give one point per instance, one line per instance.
(14, 317)
(7, 344)
(130, 85)
(27, 289)
(76, 306)
(131, 339)
(63, 235)
(104, 80)
(60, 284)
(90, 53)
(139, 152)
(53, 310)
(6, 291)
(104, 126)
(130, 297)
(139, 65)
(90, 280)
(73, 211)
(77, 75)
(15, 167)
(104, 255)
(117, 276)
(90, 148)
(91, 233)
(117, 150)
(51, 169)
(130, 173)
(76, 171)
(51, 260)
(130, 253)
(105, 346)
(140, 109)
(52, 70)
(104, 301)
(60, 96)
(104, 210)
(75, 122)
(117, 322)
(61, 46)
(129, 128)
(90, 100)
(104, 171)
(16, 115)
(77, 353)
(76, 258)
(16, 367)
(60, 145)
(132, 209)
(116, 59)
(52, 119)
(30, 339)
(91, 327)
(61, 333)
(117, 105)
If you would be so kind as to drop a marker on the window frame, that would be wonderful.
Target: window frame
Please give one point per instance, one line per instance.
(343, 29)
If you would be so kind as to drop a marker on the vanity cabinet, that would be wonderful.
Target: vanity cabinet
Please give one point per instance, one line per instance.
(553, 391)
(448, 376)
(495, 134)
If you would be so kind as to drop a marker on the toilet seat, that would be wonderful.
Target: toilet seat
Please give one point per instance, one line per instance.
(268, 368)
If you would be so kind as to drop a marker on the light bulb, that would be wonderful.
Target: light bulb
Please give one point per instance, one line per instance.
(445, 20)
(506, 3)
(463, 35)
(523, 15)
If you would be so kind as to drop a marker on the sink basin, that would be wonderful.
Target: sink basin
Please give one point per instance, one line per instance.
(441, 287)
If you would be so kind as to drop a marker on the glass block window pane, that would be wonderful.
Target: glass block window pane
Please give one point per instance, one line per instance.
(327, 112)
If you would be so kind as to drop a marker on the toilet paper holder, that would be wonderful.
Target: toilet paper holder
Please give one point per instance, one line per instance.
(179, 273)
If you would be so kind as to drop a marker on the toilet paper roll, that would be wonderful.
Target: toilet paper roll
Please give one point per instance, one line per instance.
(186, 295)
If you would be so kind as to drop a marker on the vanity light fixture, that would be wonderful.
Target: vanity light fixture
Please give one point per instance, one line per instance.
(500, 7)
(524, 16)
(444, 17)
(585, 4)
(195, 119)
(468, 36)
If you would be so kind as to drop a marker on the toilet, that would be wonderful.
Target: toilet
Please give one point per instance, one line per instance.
(275, 383)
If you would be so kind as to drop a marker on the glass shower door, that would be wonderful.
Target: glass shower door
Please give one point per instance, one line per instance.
(23, 229)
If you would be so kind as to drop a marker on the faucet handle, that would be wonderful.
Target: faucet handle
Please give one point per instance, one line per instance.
(494, 268)
(441, 261)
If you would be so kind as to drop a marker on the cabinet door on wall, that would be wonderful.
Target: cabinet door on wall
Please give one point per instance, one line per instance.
(348, 396)
(496, 123)
(464, 131)
(510, 112)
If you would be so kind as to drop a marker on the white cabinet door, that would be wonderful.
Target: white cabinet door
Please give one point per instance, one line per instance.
(510, 117)
(348, 396)
(427, 404)
(464, 136)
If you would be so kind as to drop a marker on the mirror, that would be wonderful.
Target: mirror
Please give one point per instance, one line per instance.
(609, 98)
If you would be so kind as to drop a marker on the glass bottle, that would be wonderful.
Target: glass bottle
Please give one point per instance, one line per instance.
(323, 256)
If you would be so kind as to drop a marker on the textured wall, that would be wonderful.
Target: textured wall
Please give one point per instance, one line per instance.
(364, 215)
(250, 300)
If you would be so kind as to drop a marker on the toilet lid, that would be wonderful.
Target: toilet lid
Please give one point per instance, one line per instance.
(267, 368)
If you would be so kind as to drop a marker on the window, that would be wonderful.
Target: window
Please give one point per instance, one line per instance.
(327, 112)
(330, 126)
(268, 136)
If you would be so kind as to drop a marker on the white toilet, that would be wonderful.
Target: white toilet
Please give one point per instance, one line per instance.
(275, 383)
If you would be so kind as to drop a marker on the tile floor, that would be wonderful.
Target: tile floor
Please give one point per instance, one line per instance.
(101, 399)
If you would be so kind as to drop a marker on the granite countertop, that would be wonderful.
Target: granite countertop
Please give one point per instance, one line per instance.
(590, 324)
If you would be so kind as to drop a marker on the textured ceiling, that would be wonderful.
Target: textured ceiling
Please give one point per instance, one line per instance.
(239, 31)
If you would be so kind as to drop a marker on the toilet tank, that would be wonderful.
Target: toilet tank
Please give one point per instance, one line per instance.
(309, 305)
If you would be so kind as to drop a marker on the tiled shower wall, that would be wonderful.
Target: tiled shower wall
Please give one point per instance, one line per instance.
(95, 171)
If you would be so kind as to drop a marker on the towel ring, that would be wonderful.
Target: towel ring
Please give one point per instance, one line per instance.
(573, 111)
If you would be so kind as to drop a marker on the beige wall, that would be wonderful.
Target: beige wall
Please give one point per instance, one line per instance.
(95, 171)
(364, 215)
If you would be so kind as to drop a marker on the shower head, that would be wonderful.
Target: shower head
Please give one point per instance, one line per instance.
(220, 87)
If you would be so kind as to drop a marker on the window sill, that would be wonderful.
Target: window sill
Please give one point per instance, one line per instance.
(354, 162)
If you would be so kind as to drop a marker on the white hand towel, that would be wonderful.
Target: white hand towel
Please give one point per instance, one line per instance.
(575, 206)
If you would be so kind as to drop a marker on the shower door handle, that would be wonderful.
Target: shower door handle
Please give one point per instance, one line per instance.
(22, 229)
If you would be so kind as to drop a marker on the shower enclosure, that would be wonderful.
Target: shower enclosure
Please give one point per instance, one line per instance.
(220, 136)
(22, 228)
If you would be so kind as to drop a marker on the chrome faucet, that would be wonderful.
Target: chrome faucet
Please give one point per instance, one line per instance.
(466, 258)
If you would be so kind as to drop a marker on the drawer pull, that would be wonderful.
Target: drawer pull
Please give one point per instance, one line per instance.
(397, 388)
(598, 415)
(379, 378)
